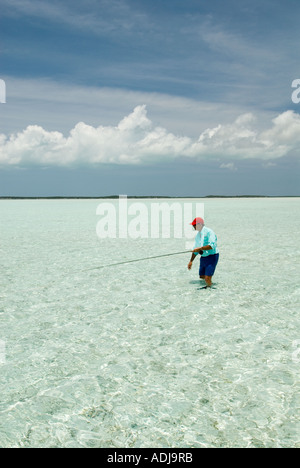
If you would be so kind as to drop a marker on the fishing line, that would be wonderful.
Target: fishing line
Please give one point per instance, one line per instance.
(138, 260)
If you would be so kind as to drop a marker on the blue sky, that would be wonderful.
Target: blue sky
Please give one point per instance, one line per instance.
(148, 97)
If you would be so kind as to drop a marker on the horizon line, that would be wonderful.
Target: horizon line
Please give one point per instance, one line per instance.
(61, 197)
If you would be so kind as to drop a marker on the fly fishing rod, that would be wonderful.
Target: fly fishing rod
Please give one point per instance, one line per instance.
(138, 260)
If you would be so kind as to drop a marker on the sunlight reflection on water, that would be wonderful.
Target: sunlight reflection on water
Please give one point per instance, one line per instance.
(137, 355)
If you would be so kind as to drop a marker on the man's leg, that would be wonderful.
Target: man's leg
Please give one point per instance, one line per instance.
(202, 268)
(207, 268)
(208, 281)
(211, 269)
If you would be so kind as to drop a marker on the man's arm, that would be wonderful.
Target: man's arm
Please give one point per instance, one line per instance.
(193, 257)
(200, 251)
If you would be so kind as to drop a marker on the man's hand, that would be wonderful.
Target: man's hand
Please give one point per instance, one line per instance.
(190, 265)
(199, 251)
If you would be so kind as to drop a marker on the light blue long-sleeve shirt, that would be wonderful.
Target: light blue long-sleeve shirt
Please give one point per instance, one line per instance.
(206, 237)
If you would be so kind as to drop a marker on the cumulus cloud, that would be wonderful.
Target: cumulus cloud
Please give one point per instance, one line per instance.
(136, 140)
(229, 166)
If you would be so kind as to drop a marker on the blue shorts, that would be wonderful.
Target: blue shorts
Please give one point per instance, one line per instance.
(208, 265)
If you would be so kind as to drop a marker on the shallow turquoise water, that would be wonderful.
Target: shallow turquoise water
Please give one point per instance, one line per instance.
(137, 355)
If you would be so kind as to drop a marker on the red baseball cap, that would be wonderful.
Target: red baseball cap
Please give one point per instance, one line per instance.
(197, 221)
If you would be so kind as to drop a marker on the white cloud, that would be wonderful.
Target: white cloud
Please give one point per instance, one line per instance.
(99, 18)
(135, 140)
(285, 130)
(60, 106)
(229, 166)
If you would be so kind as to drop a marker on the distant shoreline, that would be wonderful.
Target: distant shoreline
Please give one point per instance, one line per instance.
(144, 197)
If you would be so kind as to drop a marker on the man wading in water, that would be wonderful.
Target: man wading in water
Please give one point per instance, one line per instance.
(206, 246)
